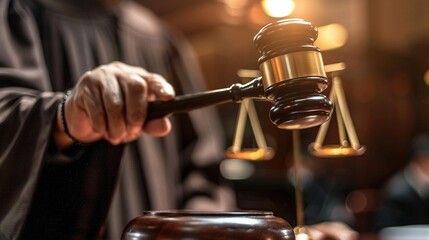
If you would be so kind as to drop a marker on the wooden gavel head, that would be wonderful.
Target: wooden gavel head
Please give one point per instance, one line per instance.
(293, 74)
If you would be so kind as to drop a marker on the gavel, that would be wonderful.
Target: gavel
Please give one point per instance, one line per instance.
(292, 78)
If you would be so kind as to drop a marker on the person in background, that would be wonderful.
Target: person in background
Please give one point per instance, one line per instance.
(405, 198)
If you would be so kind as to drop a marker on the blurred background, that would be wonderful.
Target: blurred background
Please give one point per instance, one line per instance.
(385, 47)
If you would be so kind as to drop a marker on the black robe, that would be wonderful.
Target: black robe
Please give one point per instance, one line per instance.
(45, 194)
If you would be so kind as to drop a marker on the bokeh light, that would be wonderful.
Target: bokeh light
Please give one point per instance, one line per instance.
(235, 169)
(278, 8)
(426, 78)
(331, 36)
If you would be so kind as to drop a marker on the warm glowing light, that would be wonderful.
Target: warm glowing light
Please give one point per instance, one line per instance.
(236, 3)
(426, 78)
(301, 233)
(257, 15)
(331, 36)
(278, 8)
(302, 236)
(235, 7)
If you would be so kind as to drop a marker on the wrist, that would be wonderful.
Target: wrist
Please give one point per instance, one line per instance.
(63, 138)
(62, 141)
(64, 119)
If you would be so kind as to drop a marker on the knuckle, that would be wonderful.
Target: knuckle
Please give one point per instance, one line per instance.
(116, 63)
(86, 77)
(137, 86)
(102, 68)
(91, 80)
(104, 71)
(158, 77)
(152, 77)
(87, 74)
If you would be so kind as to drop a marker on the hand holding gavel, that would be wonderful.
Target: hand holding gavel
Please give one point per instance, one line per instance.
(110, 102)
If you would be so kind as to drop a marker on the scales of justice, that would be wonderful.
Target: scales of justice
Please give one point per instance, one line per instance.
(293, 77)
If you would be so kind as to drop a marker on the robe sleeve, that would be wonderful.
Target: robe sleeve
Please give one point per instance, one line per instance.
(27, 111)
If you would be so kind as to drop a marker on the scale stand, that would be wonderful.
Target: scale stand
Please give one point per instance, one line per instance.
(349, 144)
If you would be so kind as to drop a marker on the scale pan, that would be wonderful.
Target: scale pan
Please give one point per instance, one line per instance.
(253, 154)
(335, 151)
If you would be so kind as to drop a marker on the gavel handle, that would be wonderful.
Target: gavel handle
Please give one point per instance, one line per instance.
(185, 103)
